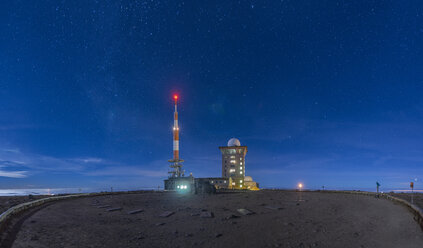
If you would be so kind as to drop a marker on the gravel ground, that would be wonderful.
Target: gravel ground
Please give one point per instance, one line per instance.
(277, 219)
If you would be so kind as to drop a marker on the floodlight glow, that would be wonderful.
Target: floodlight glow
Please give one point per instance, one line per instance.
(300, 185)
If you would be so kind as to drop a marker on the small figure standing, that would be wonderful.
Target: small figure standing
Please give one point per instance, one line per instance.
(377, 189)
(412, 191)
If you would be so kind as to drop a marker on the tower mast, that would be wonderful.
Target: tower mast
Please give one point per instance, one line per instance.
(176, 163)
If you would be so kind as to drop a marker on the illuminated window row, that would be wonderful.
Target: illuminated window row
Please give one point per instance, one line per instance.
(218, 181)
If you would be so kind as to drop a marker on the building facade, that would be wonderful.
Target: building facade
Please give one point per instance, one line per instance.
(233, 163)
(218, 182)
(184, 184)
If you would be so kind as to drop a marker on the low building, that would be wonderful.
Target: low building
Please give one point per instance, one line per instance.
(180, 183)
(250, 184)
(217, 182)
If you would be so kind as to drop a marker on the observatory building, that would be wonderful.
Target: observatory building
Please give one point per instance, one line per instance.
(233, 168)
(233, 163)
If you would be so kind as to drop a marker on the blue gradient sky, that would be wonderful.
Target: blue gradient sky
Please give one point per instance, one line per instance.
(323, 92)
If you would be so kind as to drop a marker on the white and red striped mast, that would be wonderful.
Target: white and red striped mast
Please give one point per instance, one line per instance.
(175, 130)
(176, 162)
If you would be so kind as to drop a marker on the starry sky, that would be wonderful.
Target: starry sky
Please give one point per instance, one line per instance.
(328, 93)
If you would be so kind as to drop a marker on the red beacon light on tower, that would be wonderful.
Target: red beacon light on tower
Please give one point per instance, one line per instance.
(176, 162)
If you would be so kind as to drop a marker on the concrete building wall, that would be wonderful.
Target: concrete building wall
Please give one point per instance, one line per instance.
(233, 164)
(217, 182)
(176, 183)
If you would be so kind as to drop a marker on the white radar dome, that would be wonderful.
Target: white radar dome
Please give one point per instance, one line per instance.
(234, 142)
(248, 179)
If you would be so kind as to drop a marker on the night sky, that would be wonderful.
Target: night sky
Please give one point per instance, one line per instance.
(322, 92)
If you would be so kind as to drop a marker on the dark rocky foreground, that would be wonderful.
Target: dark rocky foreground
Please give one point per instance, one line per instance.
(248, 219)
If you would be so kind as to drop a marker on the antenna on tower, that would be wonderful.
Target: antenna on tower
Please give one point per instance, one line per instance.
(176, 162)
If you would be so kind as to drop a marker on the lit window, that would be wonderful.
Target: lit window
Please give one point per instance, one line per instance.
(240, 167)
(233, 161)
(240, 185)
(240, 163)
(240, 172)
(240, 158)
(177, 186)
(240, 181)
(211, 181)
(231, 170)
(232, 156)
(224, 181)
(233, 183)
